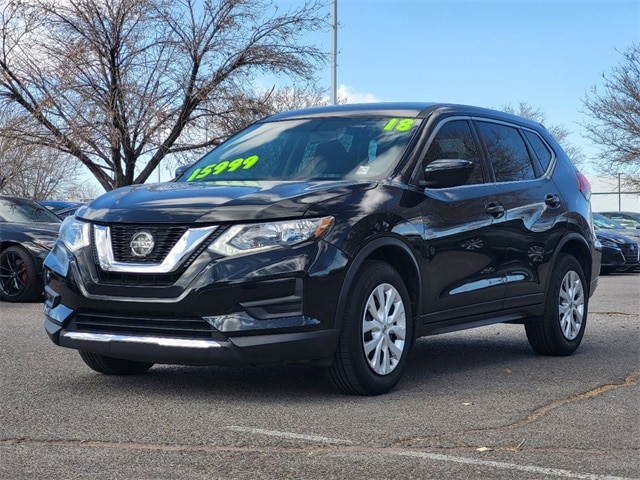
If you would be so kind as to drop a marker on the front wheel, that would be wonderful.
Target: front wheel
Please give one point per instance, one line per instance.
(376, 332)
(561, 328)
(18, 276)
(113, 366)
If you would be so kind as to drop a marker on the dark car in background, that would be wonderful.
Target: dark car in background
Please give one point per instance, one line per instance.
(57, 206)
(27, 233)
(604, 222)
(334, 236)
(621, 246)
(626, 219)
(619, 253)
(69, 211)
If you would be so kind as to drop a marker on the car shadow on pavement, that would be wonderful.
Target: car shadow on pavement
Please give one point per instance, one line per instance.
(461, 358)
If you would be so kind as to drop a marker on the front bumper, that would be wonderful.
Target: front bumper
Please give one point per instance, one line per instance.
(211, 316)
(612, 257)
(250, 350)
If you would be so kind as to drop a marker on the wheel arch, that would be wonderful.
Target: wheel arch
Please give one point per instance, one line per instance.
(6, 244)
(395, 252)
(576, 246)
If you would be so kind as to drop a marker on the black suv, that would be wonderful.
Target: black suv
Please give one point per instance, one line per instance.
(333, 235)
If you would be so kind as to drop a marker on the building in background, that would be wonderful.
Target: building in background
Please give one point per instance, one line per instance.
(613, 194)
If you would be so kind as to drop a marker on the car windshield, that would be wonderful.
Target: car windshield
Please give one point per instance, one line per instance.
(623, 219)
(315, 148)
(603, 222)
(25, 211)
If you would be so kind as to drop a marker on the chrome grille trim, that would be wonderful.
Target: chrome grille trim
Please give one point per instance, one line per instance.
(631, 252)
(188, 243)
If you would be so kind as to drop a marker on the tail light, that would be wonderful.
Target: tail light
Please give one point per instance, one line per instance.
(583, 185)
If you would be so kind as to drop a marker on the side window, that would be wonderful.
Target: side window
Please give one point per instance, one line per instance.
(455, 140)
(507, 152)
(540, 149)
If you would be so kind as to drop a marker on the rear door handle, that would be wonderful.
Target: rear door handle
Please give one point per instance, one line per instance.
(494, 209)
(553, 200)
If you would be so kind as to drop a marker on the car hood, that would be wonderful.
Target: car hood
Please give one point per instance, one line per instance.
(23, 231)
(614, 235)
(631, 233)
(180, 202)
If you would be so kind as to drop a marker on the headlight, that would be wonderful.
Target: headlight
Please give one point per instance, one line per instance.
(608, 243)
(74, 234)
(252, 238)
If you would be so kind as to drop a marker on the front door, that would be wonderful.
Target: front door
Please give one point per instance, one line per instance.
(463, 240)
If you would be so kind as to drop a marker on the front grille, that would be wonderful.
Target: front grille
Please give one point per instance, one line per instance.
(631, 252)
(185, 327)
(165, 238)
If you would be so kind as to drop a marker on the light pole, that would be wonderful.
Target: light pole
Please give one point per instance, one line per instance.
(334, 52)
(619, 192)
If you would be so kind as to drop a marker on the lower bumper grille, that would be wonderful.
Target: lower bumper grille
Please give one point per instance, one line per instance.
(184, 327)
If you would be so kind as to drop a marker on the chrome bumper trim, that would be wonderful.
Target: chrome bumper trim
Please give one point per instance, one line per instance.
(158, 341)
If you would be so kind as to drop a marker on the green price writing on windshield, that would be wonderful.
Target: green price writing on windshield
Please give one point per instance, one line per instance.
(221, 167)
(399, 124)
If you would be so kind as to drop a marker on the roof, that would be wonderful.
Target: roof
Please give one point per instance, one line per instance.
(356, 109)
(397, 109)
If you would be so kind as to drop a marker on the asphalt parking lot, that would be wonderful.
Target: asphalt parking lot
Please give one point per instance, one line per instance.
(474, 404)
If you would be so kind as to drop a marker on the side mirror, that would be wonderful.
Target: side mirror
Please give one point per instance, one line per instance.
(447, 172)
(180, 170)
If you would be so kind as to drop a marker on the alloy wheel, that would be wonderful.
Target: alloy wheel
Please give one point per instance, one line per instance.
(13, 274)
(384, 329)
(571, 303)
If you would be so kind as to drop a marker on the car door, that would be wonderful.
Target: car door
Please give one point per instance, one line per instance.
(532, 204)
(463, 248)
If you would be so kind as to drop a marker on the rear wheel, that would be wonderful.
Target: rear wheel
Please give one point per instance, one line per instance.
(376, 332)
(18, 276)
(113, 366)
(560, 330)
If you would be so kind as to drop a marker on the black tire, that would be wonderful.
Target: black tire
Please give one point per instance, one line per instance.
(113, 366)
(18, 276)
(560, 330)
(353, 371)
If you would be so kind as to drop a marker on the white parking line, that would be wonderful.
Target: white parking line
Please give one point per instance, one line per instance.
(557, 472)
(511, 466)
(295, 436)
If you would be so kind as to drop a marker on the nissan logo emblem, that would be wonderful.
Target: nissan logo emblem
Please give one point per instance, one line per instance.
(141, 244)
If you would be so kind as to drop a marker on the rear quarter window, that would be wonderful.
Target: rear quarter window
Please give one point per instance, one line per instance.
(540, 149)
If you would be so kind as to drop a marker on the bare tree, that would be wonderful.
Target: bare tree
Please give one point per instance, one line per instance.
(615, 110)
(32, 171)
(12, 159)
(559, 132)
(121, 84)
(42, 173)
(248, 109)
